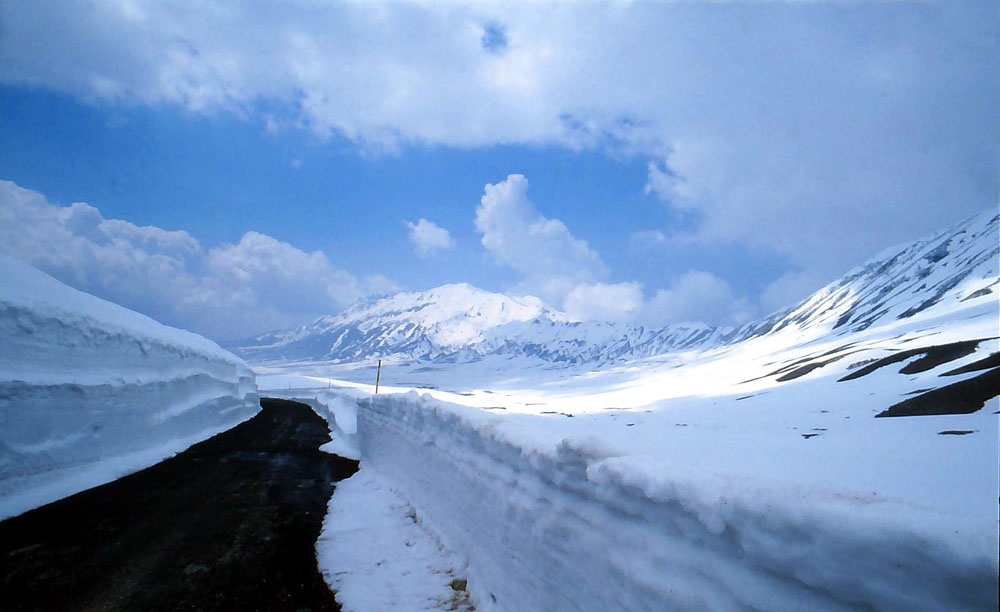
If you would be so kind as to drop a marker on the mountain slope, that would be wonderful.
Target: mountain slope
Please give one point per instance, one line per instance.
(460, 323)
(945, 270)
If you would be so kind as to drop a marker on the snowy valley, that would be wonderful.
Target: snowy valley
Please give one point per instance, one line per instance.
(401, 305)
(841, 452)
(838, 454)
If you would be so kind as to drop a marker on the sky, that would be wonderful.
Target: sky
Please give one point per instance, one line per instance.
(234, 168)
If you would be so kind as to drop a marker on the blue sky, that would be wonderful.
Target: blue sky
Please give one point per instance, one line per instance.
(219, 177)
(666, 178)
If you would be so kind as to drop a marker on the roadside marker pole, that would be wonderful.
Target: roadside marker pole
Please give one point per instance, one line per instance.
(378, 375)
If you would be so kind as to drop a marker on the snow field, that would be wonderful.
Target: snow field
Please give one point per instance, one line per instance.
(374, 550)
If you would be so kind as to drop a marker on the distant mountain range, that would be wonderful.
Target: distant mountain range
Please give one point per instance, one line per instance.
(460, 323)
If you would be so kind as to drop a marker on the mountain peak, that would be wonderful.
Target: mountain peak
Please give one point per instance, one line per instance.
(953, 268)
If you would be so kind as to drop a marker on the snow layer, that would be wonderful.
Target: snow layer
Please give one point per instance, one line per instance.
(748, 475)
(90, 390)
(550, 521)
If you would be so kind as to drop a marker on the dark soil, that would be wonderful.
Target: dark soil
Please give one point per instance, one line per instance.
(963, 397)
(802, 371)
(986, 363)
(230, 524)
(796, 369)
(933, 356)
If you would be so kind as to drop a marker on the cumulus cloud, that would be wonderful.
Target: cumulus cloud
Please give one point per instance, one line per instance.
(697, 296)
(263, 272)
(605, 302)
(550, 260)
(378, 284)
(429, 238)
(228, 291)
(565, 271)
(788, 289)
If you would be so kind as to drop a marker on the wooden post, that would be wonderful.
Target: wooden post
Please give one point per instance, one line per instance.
(378, 375)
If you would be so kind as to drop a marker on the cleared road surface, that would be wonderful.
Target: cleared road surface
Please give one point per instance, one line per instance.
(230, 524)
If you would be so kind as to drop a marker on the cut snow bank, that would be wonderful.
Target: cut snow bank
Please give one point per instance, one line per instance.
(90, 390)
(564, 525)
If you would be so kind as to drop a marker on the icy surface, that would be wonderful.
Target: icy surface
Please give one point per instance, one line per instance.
(90, 390)
(374, 552)
(750, 473)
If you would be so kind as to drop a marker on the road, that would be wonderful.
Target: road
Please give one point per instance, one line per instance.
(230, 524)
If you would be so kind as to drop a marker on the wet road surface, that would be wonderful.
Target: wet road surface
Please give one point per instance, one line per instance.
(230, 524)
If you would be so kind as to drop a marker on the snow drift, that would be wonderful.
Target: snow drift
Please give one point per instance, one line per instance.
(90, 390)
(578, 525)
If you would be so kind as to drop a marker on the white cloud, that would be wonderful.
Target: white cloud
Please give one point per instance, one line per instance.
(813, 130)
(697, 296)
(648, 239)
(563, 270)
(429, 238)
(263, 272)
(550, 260)
(261, 283)
(673, 181)
(604, 302)
(788, 289)
(378, 284)
(229, 291)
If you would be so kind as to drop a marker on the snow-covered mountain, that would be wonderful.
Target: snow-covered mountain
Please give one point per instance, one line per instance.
(429, 324)
(954, 266)
(460, 323)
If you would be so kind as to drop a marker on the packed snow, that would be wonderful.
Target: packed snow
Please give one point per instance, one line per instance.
(90, 391)
(377, 556)
(762, 472)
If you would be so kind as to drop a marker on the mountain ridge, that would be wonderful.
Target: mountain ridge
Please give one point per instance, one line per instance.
(459, 322)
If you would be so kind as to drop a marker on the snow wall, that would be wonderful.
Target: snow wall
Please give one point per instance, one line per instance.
(90, 391)
(576, 528)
